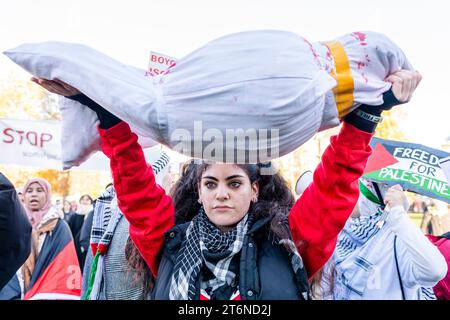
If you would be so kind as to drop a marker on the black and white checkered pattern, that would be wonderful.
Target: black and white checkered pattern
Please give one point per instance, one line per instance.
(161, 163)
(204, 242)
(106, 216)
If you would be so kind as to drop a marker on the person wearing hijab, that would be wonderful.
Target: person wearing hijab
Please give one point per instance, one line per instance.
(381, 254)
(15, 233)
(51, 270)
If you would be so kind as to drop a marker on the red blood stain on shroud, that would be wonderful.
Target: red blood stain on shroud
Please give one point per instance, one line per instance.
(360, 36)
(329, 57)
(361, 65)
(315, 55)
(365, 77)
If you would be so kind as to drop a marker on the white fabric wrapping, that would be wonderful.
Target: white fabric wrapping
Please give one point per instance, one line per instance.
(258, 80)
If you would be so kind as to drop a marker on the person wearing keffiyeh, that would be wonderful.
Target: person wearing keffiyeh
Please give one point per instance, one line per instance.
(234, 231)
(382, 256)
(114, 268)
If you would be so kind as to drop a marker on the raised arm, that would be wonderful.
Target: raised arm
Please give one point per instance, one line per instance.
(323, 209)
(321, 212)
(143, 202)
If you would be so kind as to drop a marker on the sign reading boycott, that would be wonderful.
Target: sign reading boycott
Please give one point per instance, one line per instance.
(415, 167)
(159, 63)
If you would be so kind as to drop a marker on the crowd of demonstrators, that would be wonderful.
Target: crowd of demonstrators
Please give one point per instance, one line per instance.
(231, 231)
(51, 270)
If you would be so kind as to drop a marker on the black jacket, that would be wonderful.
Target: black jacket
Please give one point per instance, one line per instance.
(75, 223)
(85, 232)
(265, 268)
(15, 232)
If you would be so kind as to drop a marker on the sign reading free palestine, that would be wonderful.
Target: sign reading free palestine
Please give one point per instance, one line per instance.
(415, 167)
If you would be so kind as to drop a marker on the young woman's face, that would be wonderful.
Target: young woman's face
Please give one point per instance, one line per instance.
(35, 197)
(85, 200)
(226, 192)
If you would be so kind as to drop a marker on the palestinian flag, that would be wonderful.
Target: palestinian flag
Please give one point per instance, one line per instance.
(57, 274)
(415, 167)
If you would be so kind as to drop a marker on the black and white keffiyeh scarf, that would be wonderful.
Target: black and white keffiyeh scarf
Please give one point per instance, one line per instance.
(205, 243)
(106, 217)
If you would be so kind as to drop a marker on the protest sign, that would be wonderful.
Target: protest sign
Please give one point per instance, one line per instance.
(38, 144)
(415, 167)
(445, 165)
(159, 63)
(30, 143)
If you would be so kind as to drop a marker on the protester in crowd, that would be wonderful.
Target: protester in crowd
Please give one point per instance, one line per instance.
(85, 232)
(67, 210)
(51, 270)
(120, 272)
(381, 253)
(76, 222)
(15, 233)
(19, 192)
(234, 225)
(73, 206)
(418, 205)
(429, 219)
(442, 242)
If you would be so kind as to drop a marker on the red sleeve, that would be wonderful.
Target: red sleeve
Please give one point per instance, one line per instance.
(143, 202)
(323, 209)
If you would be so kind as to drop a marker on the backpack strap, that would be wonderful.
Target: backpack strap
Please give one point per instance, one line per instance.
(398, 269)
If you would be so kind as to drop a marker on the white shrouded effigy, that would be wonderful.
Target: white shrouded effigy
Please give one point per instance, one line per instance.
(246, 97)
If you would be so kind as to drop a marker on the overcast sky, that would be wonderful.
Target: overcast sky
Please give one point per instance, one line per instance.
(129, 30)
